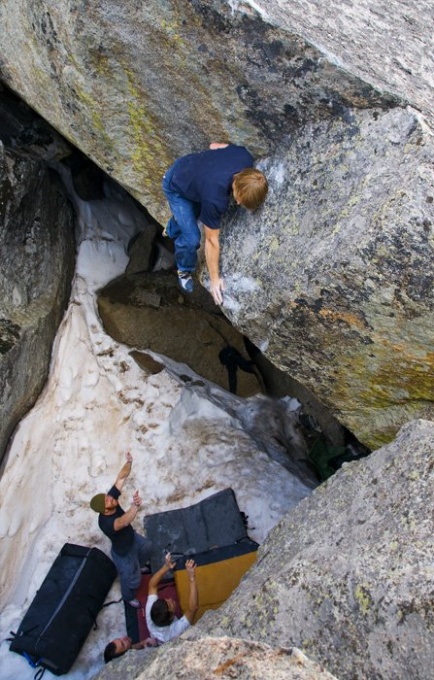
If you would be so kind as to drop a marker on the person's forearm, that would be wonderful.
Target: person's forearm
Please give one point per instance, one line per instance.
(218, 145)
(126, 518)
(193, 600)
(156, 578)
(125, 471)
(139, 645)
(123, 474)
(212, 257)
(143, 644)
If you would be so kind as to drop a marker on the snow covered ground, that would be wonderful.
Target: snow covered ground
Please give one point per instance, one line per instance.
(98, 404)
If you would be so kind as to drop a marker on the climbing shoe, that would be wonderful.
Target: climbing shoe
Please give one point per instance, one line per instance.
(185, 281)
(134, 603)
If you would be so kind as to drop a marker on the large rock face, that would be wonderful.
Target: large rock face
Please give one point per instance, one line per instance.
(37, 256)
(223, 658)
(136, 88)
(348, 575)
(339, 287)
(320, 90)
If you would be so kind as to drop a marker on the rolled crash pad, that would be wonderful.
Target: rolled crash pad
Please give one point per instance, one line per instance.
(65, 608)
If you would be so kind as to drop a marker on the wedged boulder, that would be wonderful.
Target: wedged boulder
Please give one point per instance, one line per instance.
(347, 576)
(148, 311)
(37, 254)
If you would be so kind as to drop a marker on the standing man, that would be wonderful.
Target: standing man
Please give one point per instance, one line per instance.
(130, 551)
(198, 188)
(162, 623)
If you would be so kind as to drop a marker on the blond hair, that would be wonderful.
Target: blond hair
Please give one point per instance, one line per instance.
(251, 188)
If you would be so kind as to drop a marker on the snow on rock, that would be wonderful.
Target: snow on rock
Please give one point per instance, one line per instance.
(98, 404)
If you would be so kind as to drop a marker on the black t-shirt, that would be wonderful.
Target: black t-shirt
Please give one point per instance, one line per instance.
(207, 177)
(123, 539)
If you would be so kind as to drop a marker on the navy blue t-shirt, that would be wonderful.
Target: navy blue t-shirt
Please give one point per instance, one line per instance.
(123, 539)
(206, 178)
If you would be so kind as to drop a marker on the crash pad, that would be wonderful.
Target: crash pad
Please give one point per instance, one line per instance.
(218, 572)
(213, 533)
(64, 608)
(213, 522)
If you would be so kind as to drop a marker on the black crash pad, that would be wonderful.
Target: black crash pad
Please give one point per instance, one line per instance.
(65, 608)
(214, 522)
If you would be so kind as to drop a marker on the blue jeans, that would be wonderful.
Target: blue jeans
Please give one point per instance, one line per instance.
(182, 227)
(129, 565)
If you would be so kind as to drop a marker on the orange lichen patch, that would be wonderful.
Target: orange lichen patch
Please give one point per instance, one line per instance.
(176, 497)
(223, 667)
(346, 317)
(331, 316)
(408, 353)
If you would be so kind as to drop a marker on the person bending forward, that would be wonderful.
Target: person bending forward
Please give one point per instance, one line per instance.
(198, 188)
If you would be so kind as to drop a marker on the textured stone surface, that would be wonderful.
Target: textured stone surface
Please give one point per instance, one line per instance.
(37, 257)
(148, 311)
(215, 658)
(388, 44)
(332, 279)
(135, 87)
(319, 91)
(348, 575)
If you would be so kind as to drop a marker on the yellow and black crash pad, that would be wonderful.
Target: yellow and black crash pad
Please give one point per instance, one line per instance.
(213, 533)
(218, 573)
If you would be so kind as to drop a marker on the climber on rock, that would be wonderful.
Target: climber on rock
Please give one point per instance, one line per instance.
(198, 188)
